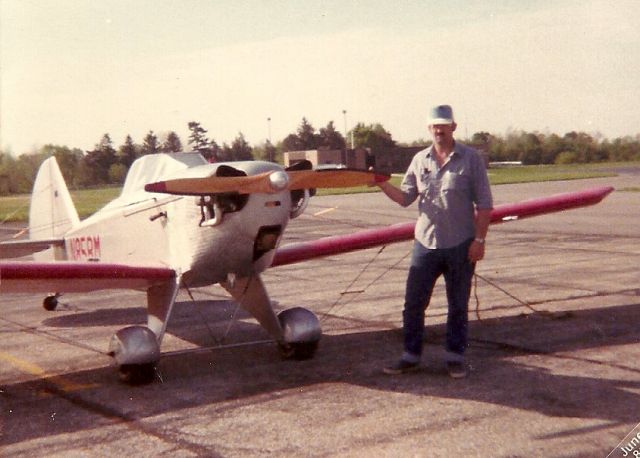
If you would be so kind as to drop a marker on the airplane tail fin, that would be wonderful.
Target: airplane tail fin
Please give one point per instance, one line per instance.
(52, 212)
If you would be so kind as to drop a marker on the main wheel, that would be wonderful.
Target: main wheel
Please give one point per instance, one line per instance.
(302, 332)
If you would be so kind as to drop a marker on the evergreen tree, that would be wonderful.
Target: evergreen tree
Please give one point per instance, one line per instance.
(150, 144)
(292, 143)
(199, 142)
(240, 149)
(305, 138)
(128, 152)
(330, 138)
(172, 144)
(307, 135)
(94, 166)
(198, 139)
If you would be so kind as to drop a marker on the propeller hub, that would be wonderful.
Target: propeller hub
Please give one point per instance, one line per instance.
(279, 181)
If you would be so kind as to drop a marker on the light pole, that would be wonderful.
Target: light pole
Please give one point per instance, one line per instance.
(269, 138)
(344, 113)
(269, 129)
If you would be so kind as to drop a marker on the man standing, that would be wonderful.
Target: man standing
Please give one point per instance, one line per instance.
(450, 180)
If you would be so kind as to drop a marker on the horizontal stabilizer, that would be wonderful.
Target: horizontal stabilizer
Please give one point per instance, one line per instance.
(18, 248)
(268, 182)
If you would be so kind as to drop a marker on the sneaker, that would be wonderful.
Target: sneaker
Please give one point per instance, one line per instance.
(401, 367)
(456, 369)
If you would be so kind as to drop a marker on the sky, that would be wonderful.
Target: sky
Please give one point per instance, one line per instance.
(73, 70)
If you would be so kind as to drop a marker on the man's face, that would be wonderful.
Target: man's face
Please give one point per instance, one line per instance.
(442, 133)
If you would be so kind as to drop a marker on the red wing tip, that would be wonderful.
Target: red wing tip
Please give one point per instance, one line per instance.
(160, 186)
(379, 178)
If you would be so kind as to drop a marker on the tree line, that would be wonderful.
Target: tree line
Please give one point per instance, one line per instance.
(107, 164)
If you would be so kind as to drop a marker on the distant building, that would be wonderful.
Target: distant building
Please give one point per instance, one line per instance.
(384, 160)
(351, 158)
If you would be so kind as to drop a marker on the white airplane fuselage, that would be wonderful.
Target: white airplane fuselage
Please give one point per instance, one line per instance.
(181, 233)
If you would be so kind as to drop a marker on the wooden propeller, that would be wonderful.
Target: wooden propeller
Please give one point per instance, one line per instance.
(268, 182)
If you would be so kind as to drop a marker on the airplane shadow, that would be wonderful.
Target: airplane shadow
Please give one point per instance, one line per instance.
(498, 375)
(213, 320)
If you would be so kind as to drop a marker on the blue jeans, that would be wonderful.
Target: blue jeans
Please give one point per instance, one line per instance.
(426, 266)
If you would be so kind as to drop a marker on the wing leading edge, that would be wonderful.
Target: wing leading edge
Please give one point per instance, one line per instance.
(63, 276)
(327, 246)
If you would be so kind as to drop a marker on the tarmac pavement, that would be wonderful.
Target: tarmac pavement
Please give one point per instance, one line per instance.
(554, 352)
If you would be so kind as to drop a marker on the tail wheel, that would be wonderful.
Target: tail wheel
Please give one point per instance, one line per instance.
(50, 302)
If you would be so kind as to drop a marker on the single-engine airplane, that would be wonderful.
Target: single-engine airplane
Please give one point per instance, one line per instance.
(181, 222)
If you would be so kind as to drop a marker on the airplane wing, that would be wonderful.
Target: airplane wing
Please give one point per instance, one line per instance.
(68, 277)
(326, 246)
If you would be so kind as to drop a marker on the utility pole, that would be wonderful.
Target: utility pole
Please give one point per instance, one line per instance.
(269, 138)
(344, 114)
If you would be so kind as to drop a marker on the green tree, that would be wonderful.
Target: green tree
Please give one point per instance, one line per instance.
(24, 172)
(305, 138)
(552, 146)
(292, 143)
(128, 152)
(510, 149)
(94, 166)
(198, 138)
(200, 143)
(267, 152)
(566, 157)
(530, 149)
(481, 138)
(330, 138)
(623, 149)
(67, 159)
(7, 165)
(172, 144)
(150, 144)
(583, 145)
(307, 135)
(373, 136)
(117, 173)
(241, 150)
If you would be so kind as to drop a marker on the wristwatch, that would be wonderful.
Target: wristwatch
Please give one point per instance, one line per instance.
(479, 240)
